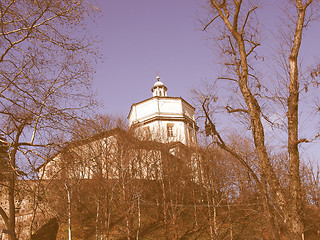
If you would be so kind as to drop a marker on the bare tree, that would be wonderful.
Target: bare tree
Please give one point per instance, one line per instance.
(239, 38)
(45, 72)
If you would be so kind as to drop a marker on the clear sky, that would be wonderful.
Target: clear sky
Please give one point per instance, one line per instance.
(143, 38)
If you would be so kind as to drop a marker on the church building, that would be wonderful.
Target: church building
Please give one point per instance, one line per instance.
(163, 118)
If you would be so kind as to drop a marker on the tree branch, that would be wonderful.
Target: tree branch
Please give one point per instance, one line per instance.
(222, 145)
(207, 25)
(232, 110)
(246, 19)
(4, 217)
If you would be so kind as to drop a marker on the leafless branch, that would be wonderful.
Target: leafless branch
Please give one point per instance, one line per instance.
(208, 24)
(246, 19)
(232, 110)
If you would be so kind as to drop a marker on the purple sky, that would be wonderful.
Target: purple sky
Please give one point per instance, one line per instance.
(144, 37)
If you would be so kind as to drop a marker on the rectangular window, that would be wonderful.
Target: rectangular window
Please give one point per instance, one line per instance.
(170, 130)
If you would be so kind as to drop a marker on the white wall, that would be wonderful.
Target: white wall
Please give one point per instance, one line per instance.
(155, 113)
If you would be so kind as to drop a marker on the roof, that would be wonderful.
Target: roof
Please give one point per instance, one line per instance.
(136, 143)
(165, 97)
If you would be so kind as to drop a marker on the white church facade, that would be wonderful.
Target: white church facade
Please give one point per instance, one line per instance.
(168, 122)
(164, 119)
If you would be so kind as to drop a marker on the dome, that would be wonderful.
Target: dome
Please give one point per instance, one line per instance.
(159, 89)
(158, 84)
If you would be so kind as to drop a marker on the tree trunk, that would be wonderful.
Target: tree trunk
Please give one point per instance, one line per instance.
(295, 202)
(12, 208)
(139, 217)
(11, 190)
(69, 192)
(291, 206)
